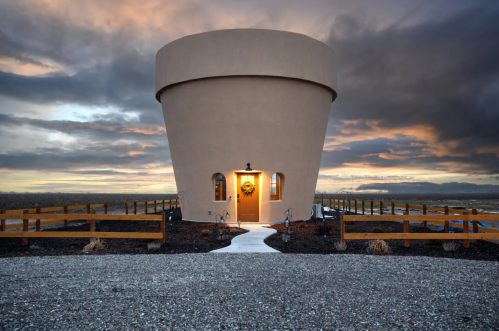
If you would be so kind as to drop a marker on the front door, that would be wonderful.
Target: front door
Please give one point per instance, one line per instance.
(248, 203)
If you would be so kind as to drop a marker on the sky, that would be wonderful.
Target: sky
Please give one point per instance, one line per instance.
(417, 107)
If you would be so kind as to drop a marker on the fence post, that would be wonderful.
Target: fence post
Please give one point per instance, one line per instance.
(163, 228)
(446, 226)
(163, 204)
(363, 208)
(407, 208)
(475, 223)
(330, 203)
(38, 220)
(65, 212)
(425, 223)
(92, 223)
(88, 208)
(126, 208)
(342, 225)
(176, 203)
(135, 207)
(349, 206)
(406, 230)
(372, 208)
(2, 221)
(155, 206)
(393, 208)
(355, 207)
(105, 208)
(146, 207)
(466, 229)
(170, 204)
(381, 207)
(25, 228)
(343, 205)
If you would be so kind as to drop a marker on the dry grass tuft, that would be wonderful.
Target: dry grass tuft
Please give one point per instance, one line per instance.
(154, 246)
(94, 246)
(450, 246)
(339, 246)
(206, 233)
(378, 246)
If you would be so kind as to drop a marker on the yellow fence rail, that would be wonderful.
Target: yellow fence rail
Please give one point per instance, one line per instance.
(437, 219)
(91, 218)
(38, 210)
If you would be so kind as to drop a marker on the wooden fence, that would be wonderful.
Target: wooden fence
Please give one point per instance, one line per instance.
(437, 219)
(156, 204)
(38, 210)
(367, 207)
(91, 218)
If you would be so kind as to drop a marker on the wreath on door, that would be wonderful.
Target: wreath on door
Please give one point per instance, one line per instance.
(247, 187)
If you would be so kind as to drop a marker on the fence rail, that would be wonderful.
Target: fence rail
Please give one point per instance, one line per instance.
(367, 207)
(91, 218)
(38, 210)
(156, 204)
(438, 219)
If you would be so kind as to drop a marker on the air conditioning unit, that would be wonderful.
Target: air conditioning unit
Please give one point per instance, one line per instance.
(317, 211)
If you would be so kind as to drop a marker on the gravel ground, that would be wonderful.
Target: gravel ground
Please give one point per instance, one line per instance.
(248, 292)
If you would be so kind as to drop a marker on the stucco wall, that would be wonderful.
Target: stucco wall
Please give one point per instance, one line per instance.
(220, 117)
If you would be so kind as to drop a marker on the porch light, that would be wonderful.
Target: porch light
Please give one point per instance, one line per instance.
(248, 168)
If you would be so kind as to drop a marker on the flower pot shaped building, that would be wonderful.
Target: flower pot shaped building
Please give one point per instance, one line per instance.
(246, 113)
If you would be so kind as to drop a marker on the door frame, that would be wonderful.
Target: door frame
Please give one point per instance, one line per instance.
(260, 182)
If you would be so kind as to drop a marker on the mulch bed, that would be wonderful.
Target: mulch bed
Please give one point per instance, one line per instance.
(308, 238)
(181, 237)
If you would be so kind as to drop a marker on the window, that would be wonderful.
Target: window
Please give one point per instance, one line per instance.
(220, 187)
(276, 186)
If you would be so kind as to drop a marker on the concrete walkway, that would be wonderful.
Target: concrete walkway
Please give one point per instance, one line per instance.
(250, 242)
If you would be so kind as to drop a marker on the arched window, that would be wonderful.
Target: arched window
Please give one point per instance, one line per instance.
(276, 186)
(220, 187)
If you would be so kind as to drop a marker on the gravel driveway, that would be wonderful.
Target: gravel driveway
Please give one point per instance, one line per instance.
(248, 292)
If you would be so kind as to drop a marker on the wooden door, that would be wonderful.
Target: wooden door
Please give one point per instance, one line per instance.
(248, 204)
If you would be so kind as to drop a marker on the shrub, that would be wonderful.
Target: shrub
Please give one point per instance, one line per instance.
(339, 246)
(95, 245)
(450, 246)
(319, 229)
(378, 230)
(378, 247)
(205, 233)
(154, 246)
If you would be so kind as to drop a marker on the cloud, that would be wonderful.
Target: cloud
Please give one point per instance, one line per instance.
(427, 187)
(435, 83)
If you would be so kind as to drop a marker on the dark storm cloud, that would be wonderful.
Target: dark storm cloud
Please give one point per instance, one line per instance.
(406, 153)
(108, 127)
(425, 187)
(105, 157)
(106, 69)
(442, 74)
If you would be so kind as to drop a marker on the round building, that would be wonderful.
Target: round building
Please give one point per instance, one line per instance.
(246, 96)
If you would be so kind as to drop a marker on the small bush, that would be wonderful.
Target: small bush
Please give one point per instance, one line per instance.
(205, 233)
(94, 246)
(154, 246)
(450, 246)
(378, 230)
(435, 242)
(319, 229)
(378, 247)
(340, 247)
(303, 225)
